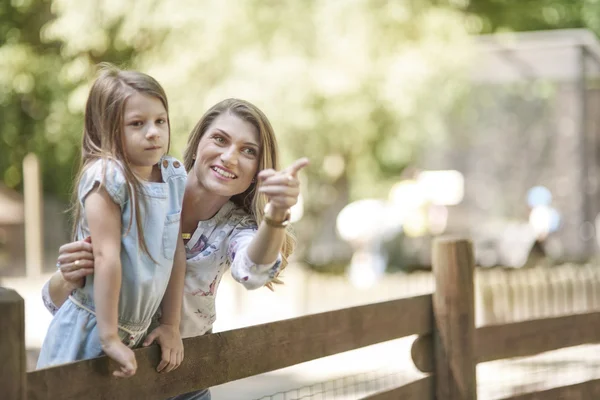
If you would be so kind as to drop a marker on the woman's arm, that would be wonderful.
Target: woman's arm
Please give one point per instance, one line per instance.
(282, 189)
(243, 269)
(58, 290)
(266, 243)
(255, 255)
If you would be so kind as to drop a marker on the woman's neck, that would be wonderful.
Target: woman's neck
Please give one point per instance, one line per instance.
(200, 203)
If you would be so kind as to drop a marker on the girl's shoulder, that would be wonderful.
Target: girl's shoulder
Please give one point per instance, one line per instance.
(106, 172)
(109, 166)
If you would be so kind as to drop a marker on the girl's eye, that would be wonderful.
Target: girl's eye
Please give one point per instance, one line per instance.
(219, 139)
(161, 121)
(250, 151)
(136, 123)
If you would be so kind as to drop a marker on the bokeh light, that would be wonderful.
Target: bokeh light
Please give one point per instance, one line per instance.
(539, 196)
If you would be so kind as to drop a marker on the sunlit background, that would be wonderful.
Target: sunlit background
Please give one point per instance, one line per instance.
(420, 118)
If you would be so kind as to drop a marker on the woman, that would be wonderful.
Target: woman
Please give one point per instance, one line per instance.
(235, 212)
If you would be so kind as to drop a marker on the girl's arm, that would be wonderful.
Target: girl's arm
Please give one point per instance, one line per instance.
(104, 221)
(167, 334)
(171, 302)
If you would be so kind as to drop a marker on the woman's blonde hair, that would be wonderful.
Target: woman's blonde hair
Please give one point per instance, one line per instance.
(250, 200)
(103, 137)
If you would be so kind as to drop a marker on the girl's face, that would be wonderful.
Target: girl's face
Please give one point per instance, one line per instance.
(227, 156)
(146, 132)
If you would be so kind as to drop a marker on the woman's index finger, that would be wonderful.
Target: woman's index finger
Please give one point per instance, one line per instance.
(297, 166)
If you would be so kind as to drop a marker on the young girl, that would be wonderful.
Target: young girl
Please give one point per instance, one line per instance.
(128, 199)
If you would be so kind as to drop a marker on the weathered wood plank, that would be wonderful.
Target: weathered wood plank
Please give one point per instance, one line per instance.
(454, 315)
(581, 391)
(223, 357)
(421, 389)
(519, 339)
(13, 378)
(527, 338)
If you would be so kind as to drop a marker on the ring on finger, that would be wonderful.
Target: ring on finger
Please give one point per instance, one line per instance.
(76, 262)
(58, 264)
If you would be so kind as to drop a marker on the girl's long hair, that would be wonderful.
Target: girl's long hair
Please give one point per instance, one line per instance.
(103, 137)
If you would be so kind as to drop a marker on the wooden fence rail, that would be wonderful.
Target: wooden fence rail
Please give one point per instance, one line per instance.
(519, 339)
(448, 347)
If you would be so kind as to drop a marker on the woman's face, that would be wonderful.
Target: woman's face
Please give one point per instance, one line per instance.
(227, 156)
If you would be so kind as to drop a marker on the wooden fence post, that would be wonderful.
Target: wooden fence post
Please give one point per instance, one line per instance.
(13, 361)
(454, 320)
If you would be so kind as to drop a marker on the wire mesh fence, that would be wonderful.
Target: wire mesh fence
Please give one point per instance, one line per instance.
(496, 380)
(355, 386)
(568, 366)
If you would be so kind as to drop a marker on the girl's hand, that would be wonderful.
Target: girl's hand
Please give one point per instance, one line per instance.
(171, 346)
(282, 188)
(123, 355)
(76, 261)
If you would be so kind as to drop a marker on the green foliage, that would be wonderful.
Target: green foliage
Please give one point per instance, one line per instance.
(359, 87)
(353, 82)
(527, 15)
(42, 91)
(27, 85)
(487, 16)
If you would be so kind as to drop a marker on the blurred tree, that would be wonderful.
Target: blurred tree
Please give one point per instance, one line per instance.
(527, 15)
(488, 16)
(359, 87)
(28, 86)
(42, 92)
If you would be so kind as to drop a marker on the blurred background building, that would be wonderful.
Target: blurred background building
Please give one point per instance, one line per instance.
(527, 146)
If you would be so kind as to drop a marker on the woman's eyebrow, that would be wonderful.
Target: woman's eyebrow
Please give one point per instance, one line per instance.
(254, 144)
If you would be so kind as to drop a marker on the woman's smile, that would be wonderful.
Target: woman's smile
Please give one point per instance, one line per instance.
(223, 173)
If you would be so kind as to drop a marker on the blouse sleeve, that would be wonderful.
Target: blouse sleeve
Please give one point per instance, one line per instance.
(47, 300)
(243, 270)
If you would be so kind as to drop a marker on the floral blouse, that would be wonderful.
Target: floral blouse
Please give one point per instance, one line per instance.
(217, 245)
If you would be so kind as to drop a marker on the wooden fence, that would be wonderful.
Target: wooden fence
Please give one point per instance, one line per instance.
(448, 347)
